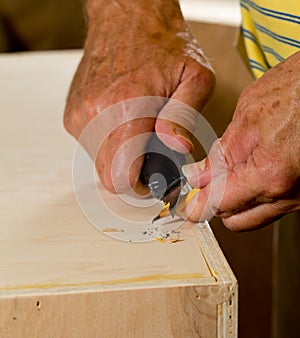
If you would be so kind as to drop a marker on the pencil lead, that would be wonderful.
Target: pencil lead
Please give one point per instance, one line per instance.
(156, 218)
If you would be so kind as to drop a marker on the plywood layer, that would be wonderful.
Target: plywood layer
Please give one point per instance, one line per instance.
(60, 276)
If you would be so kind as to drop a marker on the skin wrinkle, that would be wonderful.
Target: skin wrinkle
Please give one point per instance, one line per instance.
(150, 51)
(170, 111)
(262, 151)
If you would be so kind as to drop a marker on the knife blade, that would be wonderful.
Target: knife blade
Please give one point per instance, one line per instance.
(162, 174)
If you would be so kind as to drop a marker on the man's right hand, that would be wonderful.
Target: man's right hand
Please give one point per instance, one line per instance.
(134, 49)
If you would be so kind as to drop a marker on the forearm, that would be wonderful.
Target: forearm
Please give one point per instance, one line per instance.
(159, 8)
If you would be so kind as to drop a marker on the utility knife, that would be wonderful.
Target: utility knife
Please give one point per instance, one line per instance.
(162, 174)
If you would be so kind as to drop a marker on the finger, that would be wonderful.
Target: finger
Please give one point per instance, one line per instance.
(244, 196)
(199, 174)
(178, 117)
(258, 216)
(224, 196)
(116, 128)
(237, 163)
(206, 203)
(120, 158)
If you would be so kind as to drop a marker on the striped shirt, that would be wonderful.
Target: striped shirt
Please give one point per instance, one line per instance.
(271, 31)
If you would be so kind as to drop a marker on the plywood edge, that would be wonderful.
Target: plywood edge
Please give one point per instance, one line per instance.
(130, 284)
(213, 254)
(228, 287)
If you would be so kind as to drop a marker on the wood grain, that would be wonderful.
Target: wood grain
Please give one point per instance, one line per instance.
(60, 277)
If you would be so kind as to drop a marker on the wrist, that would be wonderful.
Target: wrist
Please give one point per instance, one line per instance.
(96, 8)
(155, 12)
(137, 22)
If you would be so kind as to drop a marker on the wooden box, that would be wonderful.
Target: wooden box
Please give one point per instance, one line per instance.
(60, 277)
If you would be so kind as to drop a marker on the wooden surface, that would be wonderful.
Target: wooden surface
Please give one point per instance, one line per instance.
(60, 277)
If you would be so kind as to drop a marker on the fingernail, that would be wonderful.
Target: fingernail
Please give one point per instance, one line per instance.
(189, 170)
(183, 134)
(194, 169)
(201, 165)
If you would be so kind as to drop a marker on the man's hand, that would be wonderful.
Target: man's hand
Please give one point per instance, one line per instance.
(257, 161)
(133, 49)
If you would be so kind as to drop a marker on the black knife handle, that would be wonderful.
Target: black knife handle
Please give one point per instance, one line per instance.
(161, 170)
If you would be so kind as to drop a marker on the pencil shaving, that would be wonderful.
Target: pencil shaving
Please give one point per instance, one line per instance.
(112, 230)
(169, 240)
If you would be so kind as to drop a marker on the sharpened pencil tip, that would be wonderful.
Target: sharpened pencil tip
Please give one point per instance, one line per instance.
(155, 218)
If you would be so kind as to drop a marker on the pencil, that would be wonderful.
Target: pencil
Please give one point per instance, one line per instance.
(165, 211)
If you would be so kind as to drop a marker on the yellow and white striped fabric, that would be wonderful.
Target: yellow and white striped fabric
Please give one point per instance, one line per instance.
(271, 31)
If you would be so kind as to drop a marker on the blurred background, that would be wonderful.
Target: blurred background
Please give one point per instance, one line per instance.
(267, 281)
(41, 25)
(60, 24)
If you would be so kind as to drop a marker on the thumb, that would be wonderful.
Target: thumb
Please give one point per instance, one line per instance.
(177, 119)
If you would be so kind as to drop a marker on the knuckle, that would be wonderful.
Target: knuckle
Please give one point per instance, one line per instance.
(67, 123)
(204, 75)
(90, 107)
(72, 123)
(78, 114)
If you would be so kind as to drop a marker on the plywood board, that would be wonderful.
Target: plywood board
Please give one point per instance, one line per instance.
(58, 273)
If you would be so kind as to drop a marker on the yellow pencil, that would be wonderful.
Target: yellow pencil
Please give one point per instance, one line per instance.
(186, 199)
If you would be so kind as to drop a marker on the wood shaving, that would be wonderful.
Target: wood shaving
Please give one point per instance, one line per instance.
(169, 240)
(112, 230)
